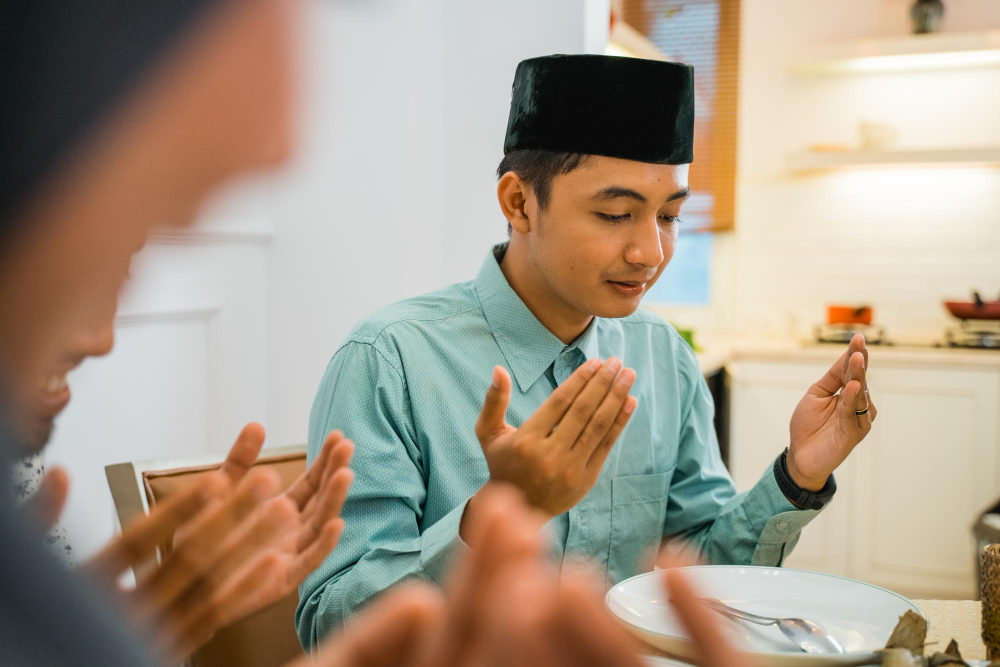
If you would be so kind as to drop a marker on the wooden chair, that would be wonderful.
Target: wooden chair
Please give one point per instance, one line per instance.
(264, 639)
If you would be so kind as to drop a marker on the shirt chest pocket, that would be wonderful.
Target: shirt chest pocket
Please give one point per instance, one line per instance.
(638, 510)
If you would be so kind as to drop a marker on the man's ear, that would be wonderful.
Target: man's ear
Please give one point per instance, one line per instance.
(517, 202)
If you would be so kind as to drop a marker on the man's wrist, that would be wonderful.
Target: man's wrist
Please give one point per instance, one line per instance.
(801, 480)
(798, 496)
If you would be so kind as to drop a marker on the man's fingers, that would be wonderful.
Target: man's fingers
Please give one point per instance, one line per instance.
(492, 418)
(586, 404)
(552, 410)
(853, 399)
(48, 501)
(140, 539)
(604, 418)
(701, 623)
(839, 373)
(244, 452)
(600, 452)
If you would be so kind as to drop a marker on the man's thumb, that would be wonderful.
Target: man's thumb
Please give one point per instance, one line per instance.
(491, 417)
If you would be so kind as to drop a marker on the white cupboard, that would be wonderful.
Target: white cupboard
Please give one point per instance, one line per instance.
(909, 493)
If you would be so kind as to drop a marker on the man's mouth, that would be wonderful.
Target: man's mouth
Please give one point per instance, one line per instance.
(628, 287)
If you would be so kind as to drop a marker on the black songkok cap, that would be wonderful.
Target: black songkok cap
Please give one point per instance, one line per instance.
(628, 108)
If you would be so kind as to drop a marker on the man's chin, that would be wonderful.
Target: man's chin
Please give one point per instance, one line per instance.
(616, 307)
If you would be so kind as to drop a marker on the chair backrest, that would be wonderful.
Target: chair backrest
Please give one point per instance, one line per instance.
(264, 639)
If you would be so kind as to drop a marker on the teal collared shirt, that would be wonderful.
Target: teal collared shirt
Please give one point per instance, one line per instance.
(407, 385)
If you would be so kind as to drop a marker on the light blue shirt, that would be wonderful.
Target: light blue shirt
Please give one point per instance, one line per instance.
(407, 386)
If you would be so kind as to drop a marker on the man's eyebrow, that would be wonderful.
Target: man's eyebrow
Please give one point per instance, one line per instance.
(680, 194)
(616, 192)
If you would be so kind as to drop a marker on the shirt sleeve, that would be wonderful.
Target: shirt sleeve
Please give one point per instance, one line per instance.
(363, 394)
(757, 527)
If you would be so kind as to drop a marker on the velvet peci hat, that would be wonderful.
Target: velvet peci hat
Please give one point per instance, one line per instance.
(628, 108)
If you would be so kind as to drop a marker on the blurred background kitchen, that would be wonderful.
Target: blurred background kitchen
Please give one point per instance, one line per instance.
(841, 160)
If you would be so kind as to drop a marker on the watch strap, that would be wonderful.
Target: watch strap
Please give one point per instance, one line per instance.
(803, 499)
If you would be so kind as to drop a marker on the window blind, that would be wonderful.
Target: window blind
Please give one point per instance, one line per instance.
(706, 34)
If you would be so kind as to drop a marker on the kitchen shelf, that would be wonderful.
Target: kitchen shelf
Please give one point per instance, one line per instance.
(805, 161)
(910, 53)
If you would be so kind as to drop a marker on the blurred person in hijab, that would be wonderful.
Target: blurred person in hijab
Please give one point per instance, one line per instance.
(118, 115)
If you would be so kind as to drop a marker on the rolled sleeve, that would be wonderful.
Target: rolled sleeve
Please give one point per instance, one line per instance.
(385, 539)
(778, 522)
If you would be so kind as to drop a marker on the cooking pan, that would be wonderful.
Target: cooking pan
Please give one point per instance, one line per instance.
(977, 309)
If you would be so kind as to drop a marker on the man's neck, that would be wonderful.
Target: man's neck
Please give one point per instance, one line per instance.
(564, 321)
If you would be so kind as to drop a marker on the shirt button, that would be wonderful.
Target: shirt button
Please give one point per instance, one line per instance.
(782, 525)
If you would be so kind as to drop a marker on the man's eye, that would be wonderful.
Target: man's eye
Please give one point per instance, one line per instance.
(670, 219)
(613, 218)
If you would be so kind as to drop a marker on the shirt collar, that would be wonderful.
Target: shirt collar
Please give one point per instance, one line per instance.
(526, 344)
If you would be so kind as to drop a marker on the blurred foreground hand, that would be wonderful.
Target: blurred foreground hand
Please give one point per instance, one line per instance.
(504, 606)
(237, 544)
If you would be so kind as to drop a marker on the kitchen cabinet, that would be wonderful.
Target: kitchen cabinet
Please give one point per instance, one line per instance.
(909, 493)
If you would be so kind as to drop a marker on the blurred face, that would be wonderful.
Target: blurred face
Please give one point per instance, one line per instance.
(606, 235)
(218, 103)
(51, 391)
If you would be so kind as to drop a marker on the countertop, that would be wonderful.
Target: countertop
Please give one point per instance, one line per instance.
(717, 351)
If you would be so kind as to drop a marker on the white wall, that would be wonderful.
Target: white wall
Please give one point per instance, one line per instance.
(393, 193)
(902, 240)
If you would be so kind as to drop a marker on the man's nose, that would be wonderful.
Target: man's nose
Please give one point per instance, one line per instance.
(646, 246)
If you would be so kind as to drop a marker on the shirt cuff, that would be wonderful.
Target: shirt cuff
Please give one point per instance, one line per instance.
(778, 520)
(441, 543)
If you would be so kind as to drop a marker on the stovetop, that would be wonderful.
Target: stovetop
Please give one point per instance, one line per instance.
(978, 334)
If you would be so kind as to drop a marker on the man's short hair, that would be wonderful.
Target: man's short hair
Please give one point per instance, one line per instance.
(537, 168)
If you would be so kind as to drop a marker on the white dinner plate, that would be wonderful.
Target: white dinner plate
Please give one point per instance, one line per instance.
(858, 615)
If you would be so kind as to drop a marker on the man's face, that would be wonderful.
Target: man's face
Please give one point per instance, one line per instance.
(219, 104)
(607, 233)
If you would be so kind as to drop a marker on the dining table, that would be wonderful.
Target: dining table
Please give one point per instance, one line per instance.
(960, 620)
(954, 619)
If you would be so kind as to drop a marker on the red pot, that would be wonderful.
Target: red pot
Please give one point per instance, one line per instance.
(971, 310)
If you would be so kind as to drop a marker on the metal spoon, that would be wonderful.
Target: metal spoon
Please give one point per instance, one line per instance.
(805, 634)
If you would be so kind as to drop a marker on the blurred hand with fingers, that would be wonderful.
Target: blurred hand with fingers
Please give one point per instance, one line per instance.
(237, 545)
(703, 625)
(504, 605)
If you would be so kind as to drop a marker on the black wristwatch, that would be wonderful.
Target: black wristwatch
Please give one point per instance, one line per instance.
(804, 499)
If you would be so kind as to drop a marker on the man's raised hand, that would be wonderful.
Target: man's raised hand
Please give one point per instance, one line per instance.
(555, 457)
